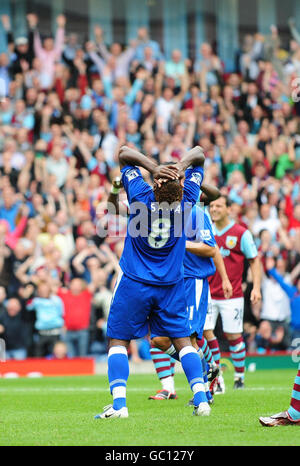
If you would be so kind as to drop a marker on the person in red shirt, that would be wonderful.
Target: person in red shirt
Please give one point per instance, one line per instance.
(292, 212)
(77, 303)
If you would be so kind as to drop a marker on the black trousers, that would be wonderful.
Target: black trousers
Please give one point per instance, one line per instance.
(44, 345)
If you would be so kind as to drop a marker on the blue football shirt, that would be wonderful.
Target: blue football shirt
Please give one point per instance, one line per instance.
(155, 242)
(199, 229)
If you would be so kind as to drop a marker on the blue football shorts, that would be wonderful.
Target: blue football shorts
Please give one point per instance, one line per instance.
(137, 307)
(196, 294)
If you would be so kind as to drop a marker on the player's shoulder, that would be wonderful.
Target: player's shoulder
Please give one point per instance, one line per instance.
(194, 175)
(131, 172)
(136, 187)
(237, 229)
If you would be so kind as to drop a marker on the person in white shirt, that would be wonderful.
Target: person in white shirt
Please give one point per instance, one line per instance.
(265, 221)
(165, 107)
(57, 165)
(273, 331)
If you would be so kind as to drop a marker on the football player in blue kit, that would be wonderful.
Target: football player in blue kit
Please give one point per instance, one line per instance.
(150, 290)
(198, 266)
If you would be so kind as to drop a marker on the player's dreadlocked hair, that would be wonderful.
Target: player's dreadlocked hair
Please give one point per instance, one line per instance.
(170, 191)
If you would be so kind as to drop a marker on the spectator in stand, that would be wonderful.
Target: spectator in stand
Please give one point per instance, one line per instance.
(175, 68)
(10, 208)
(68, 109)
(121, 101)
(21, 47)
(71, 46)
(57, 165)
(121, 59)
(265, 221)
(252, 51)
(49, 311)
(100, 310)
(5, 75)
(2, 299)
(50, 52)
(144, 42)
(293, 293)
(11, 238)
(209, 64)
(14, 330)
(59, 352)
(77, 302)
(273, 332)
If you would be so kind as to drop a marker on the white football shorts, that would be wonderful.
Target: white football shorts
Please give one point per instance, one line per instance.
(232, 314)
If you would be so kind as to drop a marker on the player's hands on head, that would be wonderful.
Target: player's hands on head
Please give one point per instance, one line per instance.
(159, 182)
(180, 169)
(163, 173)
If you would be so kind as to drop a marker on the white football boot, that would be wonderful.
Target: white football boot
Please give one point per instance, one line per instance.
(203, 409)
(110, 412)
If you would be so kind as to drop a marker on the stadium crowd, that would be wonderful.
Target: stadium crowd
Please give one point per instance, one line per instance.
(66, 107)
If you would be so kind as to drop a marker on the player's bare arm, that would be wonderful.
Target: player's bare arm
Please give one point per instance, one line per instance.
(200, 249)
(255, 296)
(209, 193)
(128, 156)
(113, 198)
(194, 157)
(220, 266)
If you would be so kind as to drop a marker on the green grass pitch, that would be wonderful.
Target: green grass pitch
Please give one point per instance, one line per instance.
(59, 411)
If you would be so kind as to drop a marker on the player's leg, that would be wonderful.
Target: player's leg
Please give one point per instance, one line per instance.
(205, 368)
(197, 294)
(118, 372)
(164, 367)
(209, 326)
(294, 409)
(206, 309)
(192, 367)
(127, 320)
(172, 367)
(213, 345)
(237, 350)
(232, 312)
(292, 415)
(217, 384)
(214, 369)
(169, 318)
(203, 345)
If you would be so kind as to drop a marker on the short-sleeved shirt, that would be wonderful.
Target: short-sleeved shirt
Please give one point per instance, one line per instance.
(199, 229)
(155, 241)
(236, 243)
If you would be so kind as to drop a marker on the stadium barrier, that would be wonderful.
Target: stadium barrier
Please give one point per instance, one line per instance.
(35, 367)
(256, 361)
